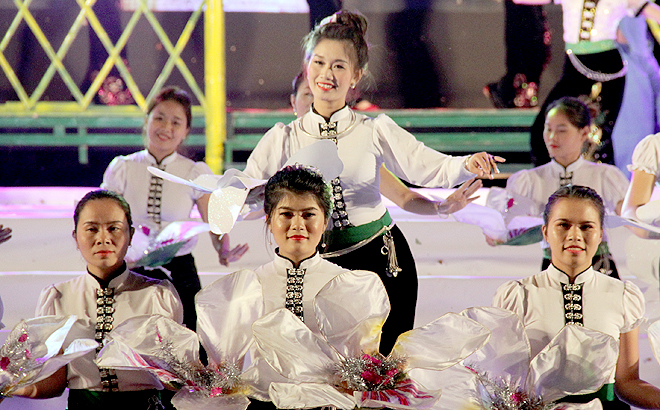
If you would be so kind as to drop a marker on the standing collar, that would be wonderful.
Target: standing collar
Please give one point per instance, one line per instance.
(116, 278)
(166, 161)
(571, 167)
(345, 119)
(286, 263)
(559, 276)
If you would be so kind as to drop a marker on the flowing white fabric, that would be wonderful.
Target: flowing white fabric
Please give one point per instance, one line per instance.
(147, 250)
(171, 352)
(576, 361)
(30, 353)
(311, 362)
(233, 190)
(352, 324)
(226, 307)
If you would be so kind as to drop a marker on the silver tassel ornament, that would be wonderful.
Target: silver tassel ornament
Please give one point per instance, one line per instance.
(388, 249)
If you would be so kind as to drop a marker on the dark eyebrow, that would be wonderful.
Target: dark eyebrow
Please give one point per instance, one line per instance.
(286, 208)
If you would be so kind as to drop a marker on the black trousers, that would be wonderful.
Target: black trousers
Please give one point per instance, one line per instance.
(574, 84)
(402, 290)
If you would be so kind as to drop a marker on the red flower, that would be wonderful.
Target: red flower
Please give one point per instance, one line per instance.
(23, 337)
(4, 363)
(28, 355)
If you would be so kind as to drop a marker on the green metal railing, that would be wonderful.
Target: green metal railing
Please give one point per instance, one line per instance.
(211, 103)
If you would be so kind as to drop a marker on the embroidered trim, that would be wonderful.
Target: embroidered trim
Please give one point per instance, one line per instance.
(588, 16)
(353, 123)
(572, 294)
(294, 291)
(566, 179)
(104, 323)
(155, 195)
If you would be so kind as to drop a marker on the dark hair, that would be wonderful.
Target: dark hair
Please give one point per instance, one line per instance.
(575, 192)
(345, 26)
(102, 194)
(295, 85)
(176, 94)
(297, 179)
(576, 111)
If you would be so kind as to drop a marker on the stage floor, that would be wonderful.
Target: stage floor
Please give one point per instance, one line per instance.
(457, 269)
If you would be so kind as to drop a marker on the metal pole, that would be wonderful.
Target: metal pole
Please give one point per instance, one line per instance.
(214, 75)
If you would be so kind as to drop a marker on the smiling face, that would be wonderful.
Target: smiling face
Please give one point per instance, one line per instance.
(297, 224)
(331, 71)
(103, 235)
(167, 126)
(574, 233)
(563, 139)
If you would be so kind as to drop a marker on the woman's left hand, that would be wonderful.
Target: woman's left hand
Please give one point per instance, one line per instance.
(226, 254)
(483, 164)
(459, 198)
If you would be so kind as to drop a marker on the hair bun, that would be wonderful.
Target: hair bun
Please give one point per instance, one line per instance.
(353, 20)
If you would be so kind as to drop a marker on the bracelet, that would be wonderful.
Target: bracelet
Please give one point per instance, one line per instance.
(441, 214)
(641, 8)
(466, 163)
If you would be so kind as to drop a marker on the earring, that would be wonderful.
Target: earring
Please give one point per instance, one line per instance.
(352, 85)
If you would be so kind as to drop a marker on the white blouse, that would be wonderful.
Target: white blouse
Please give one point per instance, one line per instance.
(608, 15)
(273, 278)
(609, 305)
(364, 144)
(646, 156)
(539, 183)
(128, 176)
(134, 295)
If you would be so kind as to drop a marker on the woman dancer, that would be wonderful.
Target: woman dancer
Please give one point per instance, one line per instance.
(593, 65)
(102, 298)
(570, 292)
(566, 134)
(298, 204)
(156, 203)
(390, 186)
(363, 235)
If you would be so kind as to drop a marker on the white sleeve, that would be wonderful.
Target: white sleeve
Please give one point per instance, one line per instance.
(167, 302)
(270, 153)
(412, 161)
(200, 168)
(633, 307)
(511, 296)
(114, 177)
(615, 186)
(46, 303)
(646, 156)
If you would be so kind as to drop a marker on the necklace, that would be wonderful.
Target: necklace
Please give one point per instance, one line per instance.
(336, 134)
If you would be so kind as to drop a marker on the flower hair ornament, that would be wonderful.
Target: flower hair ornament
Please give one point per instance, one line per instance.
(503, 375)
(235, 194)
(31, 351)
(225, 311)
(329, 19)
(342, 368)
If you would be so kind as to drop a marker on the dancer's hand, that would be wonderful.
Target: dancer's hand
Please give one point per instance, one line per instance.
(459, 198)
(226, 254)
(483, 164)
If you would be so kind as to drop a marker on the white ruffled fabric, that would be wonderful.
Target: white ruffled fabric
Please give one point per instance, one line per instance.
(235, 194)
(576, 361)
(30, 353)
(225, 312)
(351, 310)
